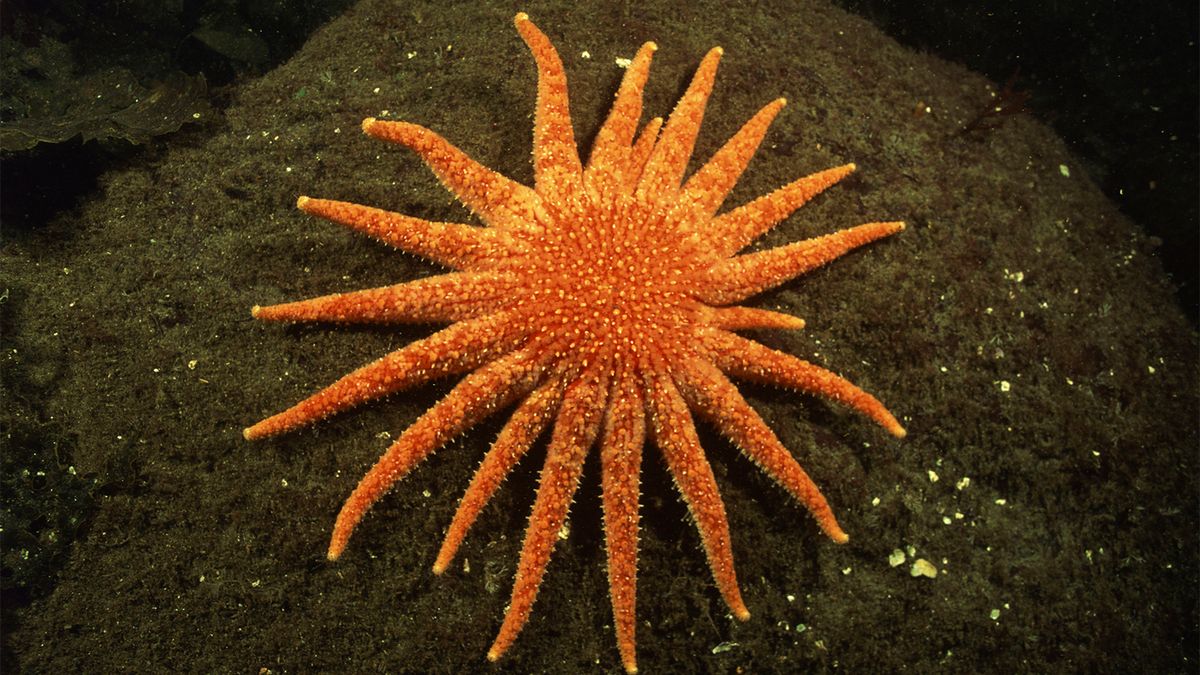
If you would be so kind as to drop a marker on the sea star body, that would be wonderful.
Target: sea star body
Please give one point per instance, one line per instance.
(599, 303)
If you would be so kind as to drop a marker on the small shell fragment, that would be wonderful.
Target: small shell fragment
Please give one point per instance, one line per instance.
(923, 568)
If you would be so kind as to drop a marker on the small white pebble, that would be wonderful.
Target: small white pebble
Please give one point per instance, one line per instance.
(923, 568)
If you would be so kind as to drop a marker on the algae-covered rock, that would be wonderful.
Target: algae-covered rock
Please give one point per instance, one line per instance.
(45, 100)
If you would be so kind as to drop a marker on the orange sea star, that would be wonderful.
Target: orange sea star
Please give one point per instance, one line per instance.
(599, 303)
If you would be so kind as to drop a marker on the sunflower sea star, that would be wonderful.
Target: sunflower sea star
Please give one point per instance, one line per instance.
(599, 303)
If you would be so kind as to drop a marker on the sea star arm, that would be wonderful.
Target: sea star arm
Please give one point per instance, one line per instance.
(733, 231)
(635, 163)
(740, 277)
(454, 245)
(615, 137)
(574, 432)
(447, 297)
(719, 401)
(556, 168)
(742, 318)
(674, 433)
(749, 360)
(526, 424)
(461, 347)
(706, 189)
(479, 394)
(661, 178)
(499, 201)
(620, 466)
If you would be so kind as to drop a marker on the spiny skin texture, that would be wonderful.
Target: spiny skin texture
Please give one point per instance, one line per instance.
(598, 304)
